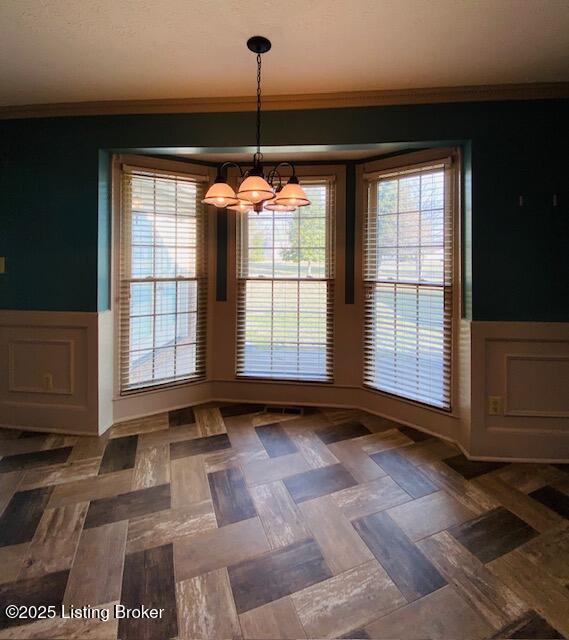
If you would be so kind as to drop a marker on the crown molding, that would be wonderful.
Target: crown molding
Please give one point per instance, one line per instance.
(482, 93)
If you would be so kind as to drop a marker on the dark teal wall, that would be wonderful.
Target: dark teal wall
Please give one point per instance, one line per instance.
(54, 208)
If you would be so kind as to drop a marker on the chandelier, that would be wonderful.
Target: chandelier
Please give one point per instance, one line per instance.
(257, 190)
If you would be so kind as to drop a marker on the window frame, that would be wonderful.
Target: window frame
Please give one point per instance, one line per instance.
(402, 162)
(166, 167)
(336, 176)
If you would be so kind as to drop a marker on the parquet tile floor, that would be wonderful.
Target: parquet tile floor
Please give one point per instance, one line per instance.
(242, 522)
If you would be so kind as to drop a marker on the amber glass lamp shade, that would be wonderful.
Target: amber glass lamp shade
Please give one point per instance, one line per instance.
(255, 189)
(220, 195)
(273, 206)
(242, 206)
(292, 195)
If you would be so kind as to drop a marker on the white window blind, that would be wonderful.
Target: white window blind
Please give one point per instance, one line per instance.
(408, 279)
(285, 289)
(162, 290)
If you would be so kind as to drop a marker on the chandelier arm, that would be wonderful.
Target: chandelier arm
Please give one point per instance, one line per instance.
(287, 164)
(271, 175)
(222, 170)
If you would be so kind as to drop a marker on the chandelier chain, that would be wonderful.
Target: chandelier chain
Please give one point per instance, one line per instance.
(259, 105)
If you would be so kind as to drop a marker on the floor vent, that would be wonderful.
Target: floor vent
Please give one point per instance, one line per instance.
(272, 408)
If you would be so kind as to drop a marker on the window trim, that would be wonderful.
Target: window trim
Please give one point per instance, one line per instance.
(167, 167)
(335, 173)
(417, 159)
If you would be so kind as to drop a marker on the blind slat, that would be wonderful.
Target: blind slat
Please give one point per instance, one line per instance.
(285, 290)
(408, 283)
(162, 290)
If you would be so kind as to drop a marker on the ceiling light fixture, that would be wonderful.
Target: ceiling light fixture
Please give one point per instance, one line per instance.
(257, 191)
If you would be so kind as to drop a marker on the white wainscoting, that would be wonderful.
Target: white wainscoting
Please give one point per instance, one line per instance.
(526, 366)
(56, 374)
(48, 372)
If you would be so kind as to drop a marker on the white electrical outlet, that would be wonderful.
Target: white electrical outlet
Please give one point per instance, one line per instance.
(495, 405)
(48, 381)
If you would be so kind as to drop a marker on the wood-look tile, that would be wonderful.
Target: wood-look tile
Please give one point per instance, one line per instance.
(337, 415)
(467, 493)
(535, 586)
(180, 417)
(168, 436)
(22, 514)
(276, 574)
(96, 574)
(553, 499)
(146, 424)
(231, 499)
(151, 467)
(383, 441)
(531, 625)
(279, 514)
(341, 546)
(489, 596)
(12, 560)
(356, 634)
(219, 548)
(304, 423)
(275, 440)
(188, 481)
(342, 431)
(377, 424)
(162, 527)
(220, 460)
(415, 434)
(364, 499)
(356, 461)
(197, 446)
(230, 410)
(148, 578)
(8, 487)
(493, 534)
(531, 511)
(47, 590)
(55, 540)
(120, 454)
(318, 482)
(262, 471)
(88, 447)
(471, 468)
(441, 615)
(128, 505)
(60, 473)
(312, 448)
(206, 608)
(430, 514)
(413, 574)
(550, 551)
(528, 477)
(244, 438)
(209, 421)
(276, 620)
(91, 488)
(407, 476)
(562, 485)
(34, 459)
(347, 601)
(431, 450)
(12, 447)
(68, 628)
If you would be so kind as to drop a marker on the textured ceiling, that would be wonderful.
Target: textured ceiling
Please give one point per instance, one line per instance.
(87, 50)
